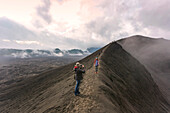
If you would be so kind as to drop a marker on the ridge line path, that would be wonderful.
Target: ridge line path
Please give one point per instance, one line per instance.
(86, 102)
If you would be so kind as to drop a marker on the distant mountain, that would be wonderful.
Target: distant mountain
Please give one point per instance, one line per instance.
(75, 52)
(57, 51)
(93, 49)
(29, 53)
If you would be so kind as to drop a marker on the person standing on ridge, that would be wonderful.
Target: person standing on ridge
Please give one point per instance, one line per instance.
(96, 64)
(79, 70)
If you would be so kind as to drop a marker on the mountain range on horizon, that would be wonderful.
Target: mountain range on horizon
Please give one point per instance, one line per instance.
(130, 80)
(31, 53)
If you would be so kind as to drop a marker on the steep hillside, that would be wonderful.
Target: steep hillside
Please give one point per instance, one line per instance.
(155, 55)
(47, 92)
(128, 86)
(123, 85)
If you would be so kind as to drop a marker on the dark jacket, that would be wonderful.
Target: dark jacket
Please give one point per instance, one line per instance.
(79, 74)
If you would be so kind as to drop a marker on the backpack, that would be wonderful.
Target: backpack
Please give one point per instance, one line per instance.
(96, 62)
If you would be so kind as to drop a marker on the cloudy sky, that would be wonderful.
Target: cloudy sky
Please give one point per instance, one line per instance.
(80, 23)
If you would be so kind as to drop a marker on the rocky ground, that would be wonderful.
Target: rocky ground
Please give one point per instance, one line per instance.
(15, 70)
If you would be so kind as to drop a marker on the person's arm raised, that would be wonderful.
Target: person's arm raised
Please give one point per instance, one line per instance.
(83, 70)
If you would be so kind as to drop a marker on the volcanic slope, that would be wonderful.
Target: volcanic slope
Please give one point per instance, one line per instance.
(123, 85)
(154, 54)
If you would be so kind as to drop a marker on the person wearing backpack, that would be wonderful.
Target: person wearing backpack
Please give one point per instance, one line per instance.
(96, 64)
(79, 70)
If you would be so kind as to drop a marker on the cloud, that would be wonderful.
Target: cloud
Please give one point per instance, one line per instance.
(34, 53)
(28, 42)
(6, 40)
(61, 1)
(119, 18)
(86, 23)
(44, 11)
(100, 23)
(155, 13)
(109, 19)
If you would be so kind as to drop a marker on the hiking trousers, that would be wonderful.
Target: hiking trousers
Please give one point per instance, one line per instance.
(96, 68)
(77, 87)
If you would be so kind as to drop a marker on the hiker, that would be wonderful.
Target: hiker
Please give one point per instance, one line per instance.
(79, 70)
(76, 66)
(96, 64)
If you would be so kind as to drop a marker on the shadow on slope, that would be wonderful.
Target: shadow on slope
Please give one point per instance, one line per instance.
(127, 86)
(155, 55)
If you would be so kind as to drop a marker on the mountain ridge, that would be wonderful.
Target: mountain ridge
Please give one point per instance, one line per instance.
(154, 54)
(120, 76)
